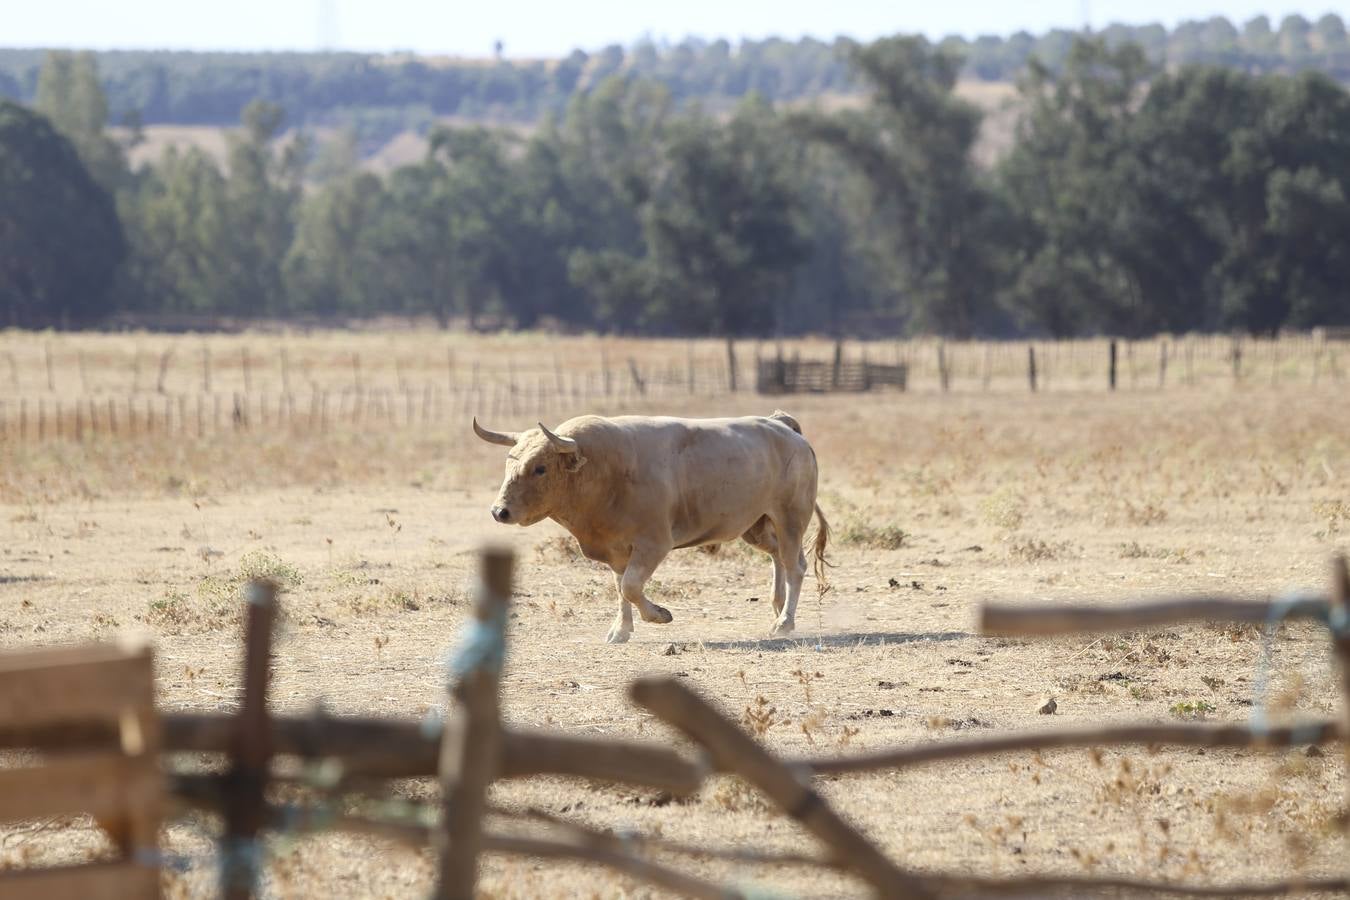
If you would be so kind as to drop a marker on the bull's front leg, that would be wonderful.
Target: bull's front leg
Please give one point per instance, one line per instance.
(631, 583)
(623, 622)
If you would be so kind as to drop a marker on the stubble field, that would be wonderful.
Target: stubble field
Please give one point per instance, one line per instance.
(938, 503)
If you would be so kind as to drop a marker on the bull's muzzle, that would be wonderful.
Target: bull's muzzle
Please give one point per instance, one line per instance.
(501, 514)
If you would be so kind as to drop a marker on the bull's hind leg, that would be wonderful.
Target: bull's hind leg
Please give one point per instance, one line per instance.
(761, 536)
(792, 561)
(631, 582)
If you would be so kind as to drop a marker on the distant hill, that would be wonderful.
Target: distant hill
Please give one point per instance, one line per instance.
(381, 96)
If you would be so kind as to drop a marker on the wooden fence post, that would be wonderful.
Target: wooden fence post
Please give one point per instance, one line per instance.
(51, 375)
(1162, 364)
(731, 364)
(637, 377)
(164, 359)
(944, 375)
(245, 805)
(1340, 635)
(470, 757)
(1318, 343)
(1111, 365)
(838, 363)
(1031, 366)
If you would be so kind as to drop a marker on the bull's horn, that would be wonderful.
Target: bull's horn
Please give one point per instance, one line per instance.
(563, 445)
(494, 437)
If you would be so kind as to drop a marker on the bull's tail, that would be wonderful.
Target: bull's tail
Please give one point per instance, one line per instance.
(819, 562)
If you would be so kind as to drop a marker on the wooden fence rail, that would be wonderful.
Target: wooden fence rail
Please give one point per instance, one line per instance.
(472, 748)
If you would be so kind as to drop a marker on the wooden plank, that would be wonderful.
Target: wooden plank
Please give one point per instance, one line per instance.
(93, 784)
(98, 682)
(101, 881)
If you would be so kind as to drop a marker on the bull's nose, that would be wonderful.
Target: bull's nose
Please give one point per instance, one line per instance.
(501, 514)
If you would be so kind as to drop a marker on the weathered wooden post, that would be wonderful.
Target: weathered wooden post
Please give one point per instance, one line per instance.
(251, 752)
(732, 750)
(470, 748)
(1111, 365)
(944, 377)
(838, 363)
(164, 359)
(731, 364)
(1031, 366)
(638, 381)
(1340, 637)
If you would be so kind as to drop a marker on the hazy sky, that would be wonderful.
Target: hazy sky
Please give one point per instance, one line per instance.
(552, 27)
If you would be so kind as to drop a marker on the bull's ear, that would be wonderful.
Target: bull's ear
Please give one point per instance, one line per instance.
(573, 461)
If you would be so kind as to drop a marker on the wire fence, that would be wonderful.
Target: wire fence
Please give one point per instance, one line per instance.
(89, 390)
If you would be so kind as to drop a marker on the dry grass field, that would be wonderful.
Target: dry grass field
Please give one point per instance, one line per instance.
(939, 502)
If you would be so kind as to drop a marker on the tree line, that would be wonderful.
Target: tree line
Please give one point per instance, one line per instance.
(1135, 199)
(380, 95)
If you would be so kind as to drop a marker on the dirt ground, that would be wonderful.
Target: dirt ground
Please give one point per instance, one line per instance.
(938, 503)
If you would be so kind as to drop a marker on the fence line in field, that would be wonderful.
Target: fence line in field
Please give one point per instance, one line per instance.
(544, 387)
(472, 748)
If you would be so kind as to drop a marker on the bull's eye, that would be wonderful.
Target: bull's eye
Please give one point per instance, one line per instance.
(540, 470)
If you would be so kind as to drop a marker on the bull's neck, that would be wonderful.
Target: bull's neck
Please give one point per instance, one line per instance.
(586, 497)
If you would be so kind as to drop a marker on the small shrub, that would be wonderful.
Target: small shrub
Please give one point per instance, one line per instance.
(1335, 513)
(758, 719)
(1192, 709)
(734, 795)
(856, 533)
(1004, 509)
(1032, 550)
(1178, 555)
(1148, 514)
(261, 564)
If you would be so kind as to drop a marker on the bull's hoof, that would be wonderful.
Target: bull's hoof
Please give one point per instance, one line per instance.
(658, 614)
(617, 636)
(782, 628)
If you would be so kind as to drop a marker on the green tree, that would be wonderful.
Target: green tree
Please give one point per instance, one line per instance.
(1067, 179)
(60, 240)
(260, 199)
(179, 233)
(71, 96)
(334, 264)
(931, 215)
(724, 229)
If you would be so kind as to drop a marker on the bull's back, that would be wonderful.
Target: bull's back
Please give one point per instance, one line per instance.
(712, 479)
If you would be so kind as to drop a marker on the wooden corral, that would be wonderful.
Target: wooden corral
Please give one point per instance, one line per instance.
(473, 748)
(796, 376)
(108, 693)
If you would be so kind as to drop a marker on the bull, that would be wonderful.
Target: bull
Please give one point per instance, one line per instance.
(631, 489)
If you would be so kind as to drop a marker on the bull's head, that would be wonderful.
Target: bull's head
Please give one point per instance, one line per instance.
(538, 469)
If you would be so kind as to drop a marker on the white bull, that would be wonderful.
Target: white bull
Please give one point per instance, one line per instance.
(632, 488)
